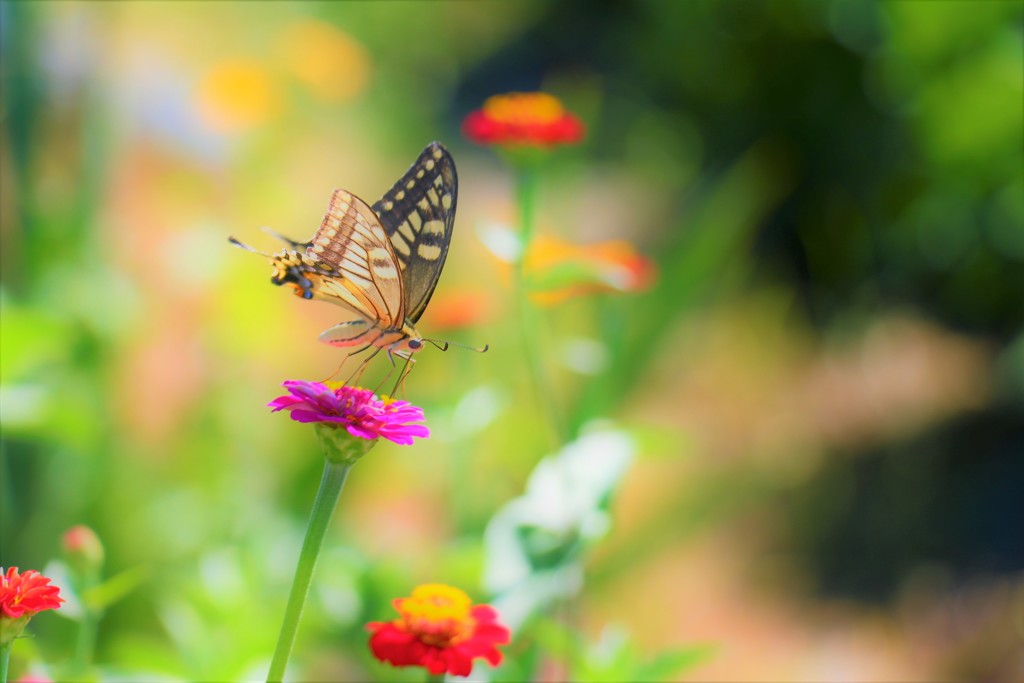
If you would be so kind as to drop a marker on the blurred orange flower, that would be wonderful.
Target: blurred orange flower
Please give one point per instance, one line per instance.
(530, 119)
(237, 95)
(557, 269)
(332, 64)
(457, 310)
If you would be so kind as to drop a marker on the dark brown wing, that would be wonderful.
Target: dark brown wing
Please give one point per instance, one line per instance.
(418, 214)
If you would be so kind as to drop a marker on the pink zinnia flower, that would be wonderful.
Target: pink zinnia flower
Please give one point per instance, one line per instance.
(360, 412)
(439, 629)
(26, 594)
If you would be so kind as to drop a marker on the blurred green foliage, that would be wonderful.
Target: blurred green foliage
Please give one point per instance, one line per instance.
(808, 176)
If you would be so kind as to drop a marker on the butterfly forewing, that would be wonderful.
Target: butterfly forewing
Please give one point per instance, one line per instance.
(353, 242)
(418, 215)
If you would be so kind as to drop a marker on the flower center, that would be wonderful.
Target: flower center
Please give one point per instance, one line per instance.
(524, 108)
(437, 614)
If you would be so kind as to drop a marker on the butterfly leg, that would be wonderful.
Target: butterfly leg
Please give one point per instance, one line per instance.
(406, 369)
(345, 360)
(358, 374)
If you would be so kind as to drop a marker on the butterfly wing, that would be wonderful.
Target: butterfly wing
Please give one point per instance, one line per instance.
(418, 215)
(354, 244)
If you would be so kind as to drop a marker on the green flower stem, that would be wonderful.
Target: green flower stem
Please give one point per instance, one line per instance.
(5, 657)
(526, 190)
(86, 642)
(326, 501)
(435, 678)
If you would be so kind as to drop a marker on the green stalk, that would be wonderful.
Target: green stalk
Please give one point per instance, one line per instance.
(326, 501)
(526, 188)
(5, 657)
(86, 642)
(435, 678)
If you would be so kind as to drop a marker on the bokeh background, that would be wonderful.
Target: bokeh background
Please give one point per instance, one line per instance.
(819, 391)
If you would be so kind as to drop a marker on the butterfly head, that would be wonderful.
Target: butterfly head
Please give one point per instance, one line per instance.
(409, 343)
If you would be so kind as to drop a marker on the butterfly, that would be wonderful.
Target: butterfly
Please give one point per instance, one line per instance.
(381, 262)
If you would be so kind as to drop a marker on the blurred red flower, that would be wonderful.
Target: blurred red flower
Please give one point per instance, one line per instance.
(523, 119)
(26, 594)
(441, 630)
(82, 548)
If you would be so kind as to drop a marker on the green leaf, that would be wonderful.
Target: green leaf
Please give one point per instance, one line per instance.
(103, 595)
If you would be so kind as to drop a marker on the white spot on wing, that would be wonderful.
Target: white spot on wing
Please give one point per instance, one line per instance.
(400, 245)
(434, 227)
(428, 252)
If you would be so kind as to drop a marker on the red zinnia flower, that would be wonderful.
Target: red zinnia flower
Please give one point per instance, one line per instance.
(530, 119)
(359, 411)
(441, 630)
(26, 594)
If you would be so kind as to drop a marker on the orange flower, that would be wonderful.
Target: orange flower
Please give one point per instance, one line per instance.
(557, 269)
(26, 594)
(22, 596)
(456, 310)
(523, 119)
(439, 629)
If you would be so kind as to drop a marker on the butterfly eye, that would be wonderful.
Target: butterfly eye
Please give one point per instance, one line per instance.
(415, 344)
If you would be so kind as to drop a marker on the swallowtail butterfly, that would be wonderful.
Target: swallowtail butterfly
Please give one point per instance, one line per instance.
(380, 262)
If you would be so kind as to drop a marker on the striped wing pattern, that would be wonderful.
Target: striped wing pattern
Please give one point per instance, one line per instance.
(418, 215)
(353, 242)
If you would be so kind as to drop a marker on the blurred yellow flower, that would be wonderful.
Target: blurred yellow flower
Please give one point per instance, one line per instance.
(326, 59)
(237, 95)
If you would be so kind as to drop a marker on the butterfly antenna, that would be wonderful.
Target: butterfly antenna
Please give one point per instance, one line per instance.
(443, 345)
(287, 240)
(245, 246)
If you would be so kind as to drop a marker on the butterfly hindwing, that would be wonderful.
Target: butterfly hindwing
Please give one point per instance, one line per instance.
(353, 243)
(418, 215)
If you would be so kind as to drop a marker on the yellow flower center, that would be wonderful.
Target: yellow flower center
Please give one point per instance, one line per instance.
(437, 614)
(524, 108)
